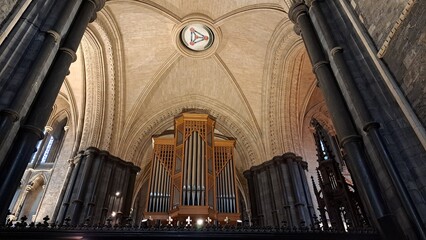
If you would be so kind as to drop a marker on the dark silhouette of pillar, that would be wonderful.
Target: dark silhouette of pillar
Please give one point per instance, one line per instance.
(17, 105)
(101, 184)
(351, 141)
(30, 133)
(369, 125)
(277, 192)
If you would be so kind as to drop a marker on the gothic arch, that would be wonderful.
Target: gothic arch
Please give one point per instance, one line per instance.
(101, 46)
(138, 141)
(282, 105)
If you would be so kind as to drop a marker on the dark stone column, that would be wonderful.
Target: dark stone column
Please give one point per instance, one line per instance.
(92, 191)
(278, 185)
(94, 185)
(17, 99)
(65, 195)
(307, 198)
(369, 125)
(30, 133)
(297, 188)
(340, 115)
(253, 208)
(272, 193)
(127, 204)
(81, 186)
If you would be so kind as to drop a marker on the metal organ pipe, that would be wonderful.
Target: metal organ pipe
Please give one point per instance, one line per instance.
(222, 184)
(197, 171)
(233, 190)
(167, 196)
(158, 189)
(199, 157)
(228, 188)
(219, 192)
(228, 192)
(185, 172)
(222, 190)
(194, 168)
(203, 170)
(225, 190)
(157, 185)
(202, 162)
(162, 183)
(153, 184)
(189, 172)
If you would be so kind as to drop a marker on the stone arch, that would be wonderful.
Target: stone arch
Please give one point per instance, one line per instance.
(102, 46)
(286, 79)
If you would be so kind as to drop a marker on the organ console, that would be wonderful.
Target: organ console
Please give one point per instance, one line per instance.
(193, 173)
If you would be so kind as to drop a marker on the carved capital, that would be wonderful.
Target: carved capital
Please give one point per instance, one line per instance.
(56, 36)
(99, 4)
(48, 129)
(69, 52)
(336, 50)
(35, 130)
(297, 30)
(296, 10)
(371, 125)
(14, 115)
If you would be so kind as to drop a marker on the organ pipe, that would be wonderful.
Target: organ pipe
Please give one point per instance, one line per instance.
(202, 180)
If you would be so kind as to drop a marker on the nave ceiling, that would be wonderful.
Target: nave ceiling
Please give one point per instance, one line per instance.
(131, 78)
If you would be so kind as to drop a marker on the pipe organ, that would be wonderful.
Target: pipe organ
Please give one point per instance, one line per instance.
(193, 173)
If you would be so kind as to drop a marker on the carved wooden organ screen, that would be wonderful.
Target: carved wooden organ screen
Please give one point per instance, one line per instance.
(193, 174)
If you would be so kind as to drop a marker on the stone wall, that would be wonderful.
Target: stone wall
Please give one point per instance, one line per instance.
(404, 50)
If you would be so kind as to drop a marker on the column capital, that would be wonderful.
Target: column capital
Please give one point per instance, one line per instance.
(296, 10)
(14, 115)
(34, 130)
(99, 4)
(56, 36)
(48, 129)
(70, 52)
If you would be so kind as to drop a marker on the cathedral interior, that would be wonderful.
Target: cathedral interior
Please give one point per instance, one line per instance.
(288, 119)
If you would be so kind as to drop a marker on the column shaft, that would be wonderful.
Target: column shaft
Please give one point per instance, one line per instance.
(28, 136)
(64, 197)
(345, 128)
(19, 105)
(298, 203)
(369, 125)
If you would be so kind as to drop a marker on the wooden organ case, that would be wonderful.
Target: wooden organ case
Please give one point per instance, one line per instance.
(193, 174)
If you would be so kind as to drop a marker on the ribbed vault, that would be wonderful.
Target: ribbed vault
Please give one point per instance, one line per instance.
(131, 81)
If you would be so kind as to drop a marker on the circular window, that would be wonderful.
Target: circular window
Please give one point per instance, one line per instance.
(197, 37)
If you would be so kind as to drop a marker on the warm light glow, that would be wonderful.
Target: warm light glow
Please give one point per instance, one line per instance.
(113, 214)
(200, 222)
(117, 194)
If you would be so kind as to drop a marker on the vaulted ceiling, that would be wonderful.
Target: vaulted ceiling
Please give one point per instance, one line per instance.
(132, 78)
